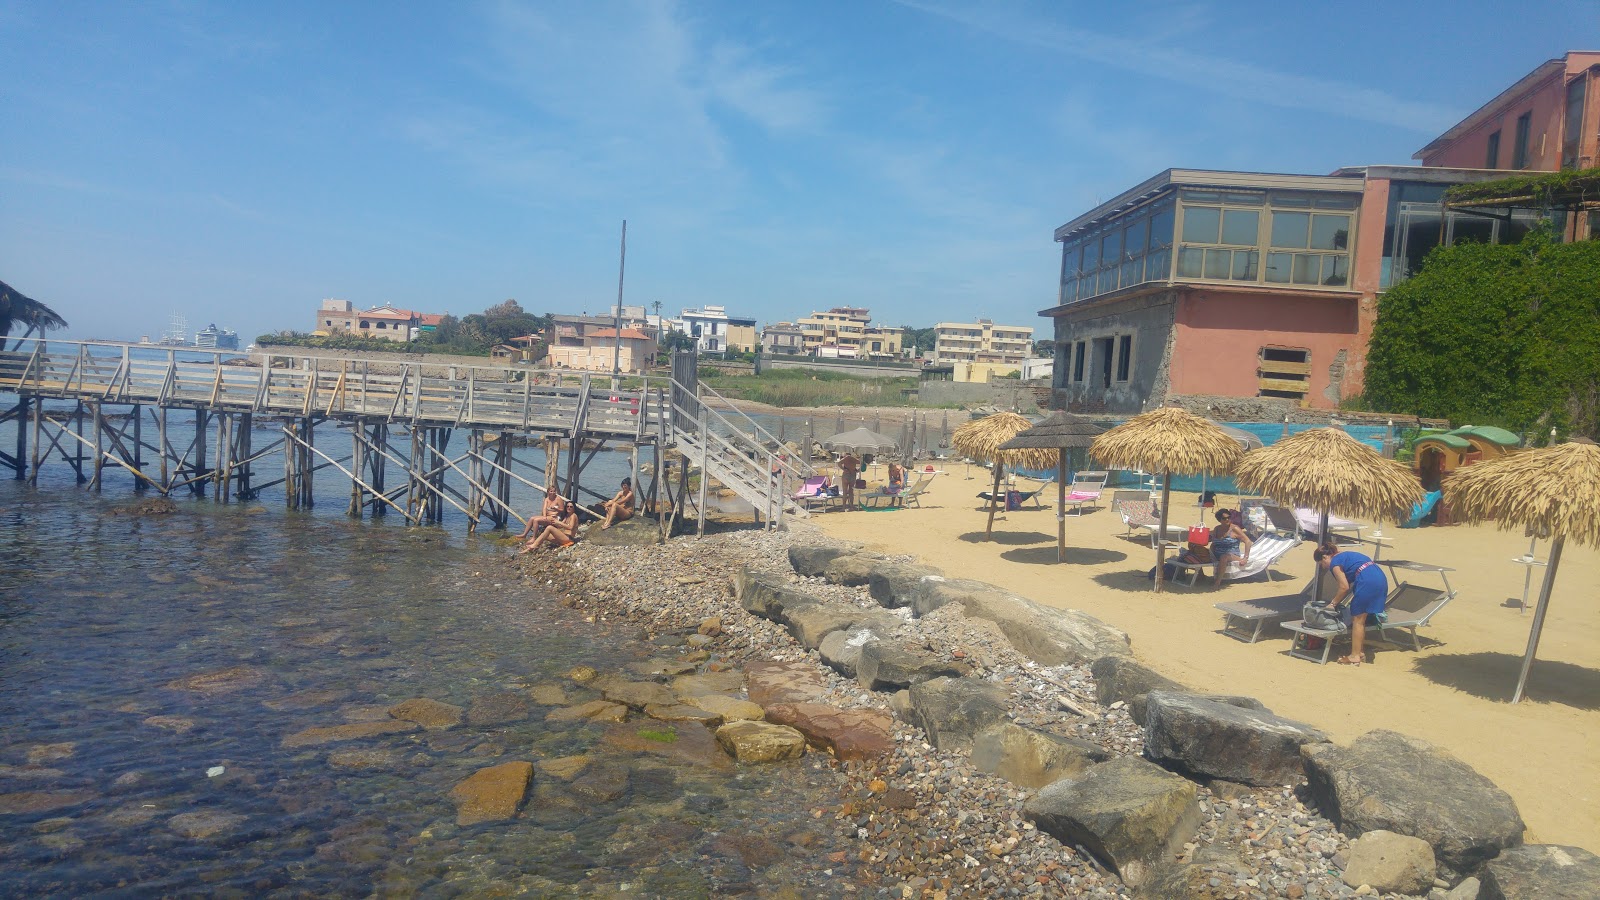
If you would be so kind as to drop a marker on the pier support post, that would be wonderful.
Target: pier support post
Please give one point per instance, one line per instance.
(20, 461)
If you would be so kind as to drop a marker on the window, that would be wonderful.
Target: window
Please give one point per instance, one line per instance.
(1078, 361)
(1309, 232)
(1519, 150)
(1124, 356)
(1221, 227)
(1493, 160)
(1119, 254)
(1102, 353)
(1572, 124)
(366, 325)
(328, 322)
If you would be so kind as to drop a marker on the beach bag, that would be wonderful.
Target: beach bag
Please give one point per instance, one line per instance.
(1199, 534)
(1013, 501)
(1315, 615)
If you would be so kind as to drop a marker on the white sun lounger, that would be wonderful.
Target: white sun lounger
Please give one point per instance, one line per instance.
(1263, 553)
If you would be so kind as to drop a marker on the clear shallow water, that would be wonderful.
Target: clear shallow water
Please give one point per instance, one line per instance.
(293, 622)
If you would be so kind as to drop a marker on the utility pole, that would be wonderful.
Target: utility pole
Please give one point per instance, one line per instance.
(616, 356)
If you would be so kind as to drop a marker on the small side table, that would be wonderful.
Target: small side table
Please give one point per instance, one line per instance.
(1531, 562)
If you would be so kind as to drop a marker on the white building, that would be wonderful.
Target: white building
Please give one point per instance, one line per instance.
(715, 331)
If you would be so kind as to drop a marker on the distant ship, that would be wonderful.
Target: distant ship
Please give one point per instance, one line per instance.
(213, 338)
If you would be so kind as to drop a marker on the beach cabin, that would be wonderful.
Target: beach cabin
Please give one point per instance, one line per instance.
(1437, 455)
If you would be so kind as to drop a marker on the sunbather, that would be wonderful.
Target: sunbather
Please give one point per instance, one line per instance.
(562, 534)
(620, 507)
(1359, 577)
(1229, 544)
(549, 514)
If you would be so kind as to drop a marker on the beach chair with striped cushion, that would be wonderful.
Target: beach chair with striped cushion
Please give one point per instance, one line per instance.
(1086, 489)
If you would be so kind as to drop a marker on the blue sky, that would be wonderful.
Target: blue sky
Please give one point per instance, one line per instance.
(237, 163)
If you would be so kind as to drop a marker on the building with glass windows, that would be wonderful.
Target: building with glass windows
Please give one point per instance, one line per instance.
(1245, 284)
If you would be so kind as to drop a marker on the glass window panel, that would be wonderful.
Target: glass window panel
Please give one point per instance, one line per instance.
(1111, 249)
(1336, 270)
(1218, 263)
(1135, 237)
(1289, 229)
(1245, 199)
(1336, 203)
(1241, 227)
(1467, 229)
(1091, 256)
(1158, 265)
(1130, 272)
(1244, 265)
(1278, 267)
(1201, 224)
(1208, 196)
(1280, 200)
(1108, 280)
(1161, 228)
(1305, 268)
(1329, 232)
(1189, 262)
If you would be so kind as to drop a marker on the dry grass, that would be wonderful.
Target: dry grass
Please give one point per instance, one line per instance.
(1167, 440)
(1330, 471)
(981, 440)
(1555, 491)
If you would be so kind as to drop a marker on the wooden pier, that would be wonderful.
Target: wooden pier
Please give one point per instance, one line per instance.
(102, 407)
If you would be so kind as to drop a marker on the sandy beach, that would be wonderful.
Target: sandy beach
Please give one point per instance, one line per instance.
(1455, 692)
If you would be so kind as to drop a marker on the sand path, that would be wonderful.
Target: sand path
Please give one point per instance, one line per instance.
(1455, 692)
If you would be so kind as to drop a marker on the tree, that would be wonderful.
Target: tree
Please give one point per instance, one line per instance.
(920, 339)
(1488, 334)
(674, 339)
(1044, 348)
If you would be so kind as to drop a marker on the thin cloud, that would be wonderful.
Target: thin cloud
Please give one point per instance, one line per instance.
(1225, 76)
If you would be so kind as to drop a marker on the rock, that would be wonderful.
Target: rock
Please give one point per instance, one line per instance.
(730, 682)
(841, 650)
(360, 760)
(933, 591)
(680, 744)
(683, 712)
(1137, 707)
(154, 506)
(853, 570)
(884, 666)
(953, 710)
(1118, 677)
(1032, 759)
(1131, 815)
(900, 705)
(24, 803)
(846, 733)
(1208, 737)
(306, 699)
(327, 734)
(582, 674)
(636, 532)
(761, 742)
(634, 694)
(765, 595)
(811, 559)
(1386, 780)
(1049, 637)
(563, 768)
(593, 711)
(602, 783)
(499, 708)
(894, 584)
(430, 714)
(710, 627)
(547, 695)
(729, 709)
(662, 668)
(492, 794)
(174, 724)
(783, 682)
(43, 753)
(1468, 889)
(1391, 863)
(222, 681)
(205, 824)
(811, 622)
(1541, 872)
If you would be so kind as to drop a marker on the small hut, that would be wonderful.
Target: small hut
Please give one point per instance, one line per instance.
(1438, 455)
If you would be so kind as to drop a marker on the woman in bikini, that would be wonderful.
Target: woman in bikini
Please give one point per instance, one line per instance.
(548, 515)
(1229, 544)
(564, 533)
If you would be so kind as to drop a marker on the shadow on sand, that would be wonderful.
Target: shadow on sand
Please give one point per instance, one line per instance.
(1131, 581)
(1493, 676)
(1010, 538)
(1076, 556)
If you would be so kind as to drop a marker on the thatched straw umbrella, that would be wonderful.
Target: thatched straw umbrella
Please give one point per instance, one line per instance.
(18, 309)
(981, 440)
(1171, 441)
(1331, 472)
(1553, 492)
(1062, 432)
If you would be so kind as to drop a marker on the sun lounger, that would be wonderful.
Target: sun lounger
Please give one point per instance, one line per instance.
(1245, 620)
(1407, 608)
(1310, 521)
(1022, 496)
(1141, 514)
(1263, 554)
(1086, 489)
(912, 496)
(815, 492)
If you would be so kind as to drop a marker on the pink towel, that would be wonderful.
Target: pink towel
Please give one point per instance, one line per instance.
(1084, 495)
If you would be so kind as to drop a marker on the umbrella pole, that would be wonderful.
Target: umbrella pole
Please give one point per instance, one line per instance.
(1538, 615)
(988, 533)
(1322, 538)
(1161, 539)
(1061, 508)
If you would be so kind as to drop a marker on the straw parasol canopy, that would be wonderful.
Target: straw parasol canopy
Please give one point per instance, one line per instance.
(1331, 472)
(982, 438)
(1062, 433)
(17, 309)
(1171, 441)
(1553, 492)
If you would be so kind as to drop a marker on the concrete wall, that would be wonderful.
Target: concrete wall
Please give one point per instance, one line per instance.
(1012, 395)
(1150, 320)
(859, 370)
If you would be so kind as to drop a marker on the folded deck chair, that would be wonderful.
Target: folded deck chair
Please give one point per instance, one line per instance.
(1141, 514)
(1086, 489)
(1263, 554)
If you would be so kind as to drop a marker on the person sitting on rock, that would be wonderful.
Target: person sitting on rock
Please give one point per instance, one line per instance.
(549, 514)
(620, 507)
(562, 534)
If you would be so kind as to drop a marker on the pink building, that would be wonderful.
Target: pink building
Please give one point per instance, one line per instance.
(1545, 122)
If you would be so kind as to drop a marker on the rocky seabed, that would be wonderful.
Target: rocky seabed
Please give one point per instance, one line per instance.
(990, 746)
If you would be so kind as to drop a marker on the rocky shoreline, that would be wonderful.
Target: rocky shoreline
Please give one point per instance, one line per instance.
(957, 801)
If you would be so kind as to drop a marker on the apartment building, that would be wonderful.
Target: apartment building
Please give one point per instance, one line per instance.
(715, 331)
(783, 337)
(982, 342)
(386, 322)
(847, 332)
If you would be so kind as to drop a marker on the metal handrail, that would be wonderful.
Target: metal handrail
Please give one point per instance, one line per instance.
(803, 467)
(798, 469)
